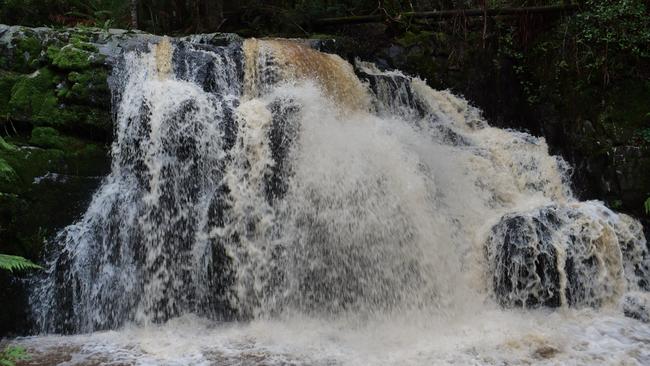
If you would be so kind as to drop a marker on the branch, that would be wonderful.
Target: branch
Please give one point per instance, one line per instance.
(443, 14)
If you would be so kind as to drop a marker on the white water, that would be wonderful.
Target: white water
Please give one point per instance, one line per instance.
(488, 337)
(340, 225)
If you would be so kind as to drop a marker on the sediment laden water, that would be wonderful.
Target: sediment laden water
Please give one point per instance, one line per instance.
(269, 182)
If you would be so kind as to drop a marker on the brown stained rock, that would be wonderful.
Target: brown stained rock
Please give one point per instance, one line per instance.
(545, 352)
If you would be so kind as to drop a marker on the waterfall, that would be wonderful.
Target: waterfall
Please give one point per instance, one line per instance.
(264, 180)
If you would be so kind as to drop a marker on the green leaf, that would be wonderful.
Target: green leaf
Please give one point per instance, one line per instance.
(11, 354)
(15, 263)
(15, 352)
(646, 206)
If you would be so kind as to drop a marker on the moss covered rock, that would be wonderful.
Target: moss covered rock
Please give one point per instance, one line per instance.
(89, 86)
(32, 97)
(54, 121)
(7, 81)
(57, 78)
(7, 174)
(77, 56)
(49, 138)
(24, 53)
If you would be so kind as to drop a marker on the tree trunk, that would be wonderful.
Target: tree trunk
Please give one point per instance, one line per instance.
(134, 14)
(195, 18)
(444, 14)
(213, 14)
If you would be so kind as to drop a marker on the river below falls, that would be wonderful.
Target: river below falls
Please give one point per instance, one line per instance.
(493, 337)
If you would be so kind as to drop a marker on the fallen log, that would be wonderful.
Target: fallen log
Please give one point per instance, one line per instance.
(442, 14)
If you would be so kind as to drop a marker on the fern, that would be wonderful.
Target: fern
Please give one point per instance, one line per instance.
(646, 206)
(12, 354)
(15, 263)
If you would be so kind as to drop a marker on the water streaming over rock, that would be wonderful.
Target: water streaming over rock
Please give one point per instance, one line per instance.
(265, 181)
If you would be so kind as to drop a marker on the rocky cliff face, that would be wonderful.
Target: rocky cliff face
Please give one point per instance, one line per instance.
(55, 129)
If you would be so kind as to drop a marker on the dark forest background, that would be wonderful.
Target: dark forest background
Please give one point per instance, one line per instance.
(250, 16)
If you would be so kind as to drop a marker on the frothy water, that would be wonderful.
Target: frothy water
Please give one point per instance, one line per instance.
(271, 204)
(489, 337)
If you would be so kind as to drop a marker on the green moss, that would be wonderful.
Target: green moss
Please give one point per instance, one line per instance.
(7, 81)
(29, 44)
(7, 173)
(81, 34)
(81, 42)
(31, 163)
(27, 52)
(89, 85)
(48, 137)
(78, 54)
(63, 91)
(78, 117)
(52, 152)
(90, 160)
(32, 97)
(6, 146)
(69, 57)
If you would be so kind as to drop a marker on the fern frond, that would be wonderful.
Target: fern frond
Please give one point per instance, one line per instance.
(15, 263)
(12, 354)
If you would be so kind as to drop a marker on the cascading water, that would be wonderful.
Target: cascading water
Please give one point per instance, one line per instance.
(144, 251)
(275, 184)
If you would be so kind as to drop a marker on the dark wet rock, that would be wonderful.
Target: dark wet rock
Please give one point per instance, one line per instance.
(523, 261)
(636, 305)
(393, 91)
(545, 352)
(282, 136)
(566, 255)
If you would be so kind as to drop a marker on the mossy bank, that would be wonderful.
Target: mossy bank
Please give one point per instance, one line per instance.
(55, 126)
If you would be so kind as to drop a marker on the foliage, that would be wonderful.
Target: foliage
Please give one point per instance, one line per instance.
(645, 135)
(605, 41)
(591, 65)
(16, 263)
(611, 31)
(622, 24)
(261, 16)
(101, 13)
(12, 354)
(616, 204)
(646, 206)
